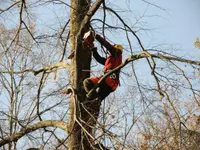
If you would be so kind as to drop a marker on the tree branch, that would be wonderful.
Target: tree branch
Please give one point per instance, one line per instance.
(140, 56)
(47, 123)
(56, 65)
(2, 11)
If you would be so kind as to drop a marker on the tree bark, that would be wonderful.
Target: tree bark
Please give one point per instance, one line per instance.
(80, 61)
(80, 121)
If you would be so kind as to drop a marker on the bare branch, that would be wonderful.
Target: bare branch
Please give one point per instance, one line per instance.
(2, 11)
(139, 56)
(48, 68)
(47, 123)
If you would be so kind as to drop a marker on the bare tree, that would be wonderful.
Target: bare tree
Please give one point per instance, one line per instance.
(34, 69)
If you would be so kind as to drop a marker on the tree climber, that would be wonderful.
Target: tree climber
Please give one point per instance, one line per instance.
(110, 83)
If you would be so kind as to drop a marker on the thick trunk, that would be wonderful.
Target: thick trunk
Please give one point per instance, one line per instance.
(81, 60)
(82, 118)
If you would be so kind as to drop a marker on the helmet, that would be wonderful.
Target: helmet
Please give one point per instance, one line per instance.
(119, 47)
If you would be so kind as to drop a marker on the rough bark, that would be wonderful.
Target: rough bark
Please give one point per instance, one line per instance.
(80, 118)
(80, 61)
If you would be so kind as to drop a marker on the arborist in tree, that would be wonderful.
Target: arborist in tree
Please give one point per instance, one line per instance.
(114, 59)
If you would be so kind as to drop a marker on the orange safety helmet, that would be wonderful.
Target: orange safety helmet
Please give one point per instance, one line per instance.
(119, 47)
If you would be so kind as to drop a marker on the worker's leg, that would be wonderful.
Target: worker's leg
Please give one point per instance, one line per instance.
(88, 84)
(109, 85)
(104, 91)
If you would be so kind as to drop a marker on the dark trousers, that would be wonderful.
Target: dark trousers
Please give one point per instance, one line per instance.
(101, 93)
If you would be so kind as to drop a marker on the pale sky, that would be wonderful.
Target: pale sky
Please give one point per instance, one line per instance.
(178, 24)
(183, 24)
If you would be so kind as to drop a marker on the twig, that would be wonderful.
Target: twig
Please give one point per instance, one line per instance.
(2, 11)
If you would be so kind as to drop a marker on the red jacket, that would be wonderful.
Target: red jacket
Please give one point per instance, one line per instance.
(112, 62)
(114, 59)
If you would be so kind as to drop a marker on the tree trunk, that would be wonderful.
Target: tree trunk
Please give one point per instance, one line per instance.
(78, 138)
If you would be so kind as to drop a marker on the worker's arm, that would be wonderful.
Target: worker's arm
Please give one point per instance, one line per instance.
(98, 58)
(107, 45)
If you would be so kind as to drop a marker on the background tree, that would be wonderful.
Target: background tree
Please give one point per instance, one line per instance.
(156, 106)
(197, 43)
